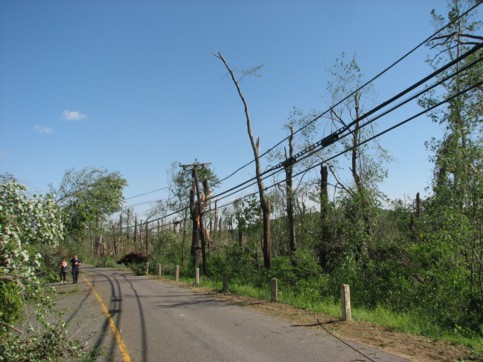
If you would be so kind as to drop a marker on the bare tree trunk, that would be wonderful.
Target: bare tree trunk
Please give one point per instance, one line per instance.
(290, 198)
(146, 237)
(114, 238)
(324, 197)
(355, 149)
(135, 231)
(264, 203)
(203, 233)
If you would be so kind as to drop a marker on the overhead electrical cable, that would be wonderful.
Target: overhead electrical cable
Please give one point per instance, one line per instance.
(339, 134)
(342, 132)
(425, 41)
(336, 155)
(417, 115)
(147, 193)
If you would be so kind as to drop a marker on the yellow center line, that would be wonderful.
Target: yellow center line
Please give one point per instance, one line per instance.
(122, 347)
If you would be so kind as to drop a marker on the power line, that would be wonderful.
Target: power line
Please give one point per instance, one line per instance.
(339, 134)
(311, 149)
(147, 193)
(316, 118)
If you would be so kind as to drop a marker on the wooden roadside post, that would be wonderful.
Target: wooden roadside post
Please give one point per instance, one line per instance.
(159, 270)
(225, 282)
(147, 268)
(177, 273)
(197, 276)
(346, 302)
(274, 287)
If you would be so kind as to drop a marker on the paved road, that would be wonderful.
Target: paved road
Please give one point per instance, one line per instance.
(152, 320)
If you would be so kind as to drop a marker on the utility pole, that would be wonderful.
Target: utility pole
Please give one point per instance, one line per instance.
(127, 225)
(198, 236)
(120, 235)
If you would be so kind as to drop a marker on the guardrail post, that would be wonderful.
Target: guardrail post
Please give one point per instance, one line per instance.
(346, 302)
(274, 287)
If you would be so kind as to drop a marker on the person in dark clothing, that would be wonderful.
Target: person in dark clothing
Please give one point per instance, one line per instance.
(63, 271)
(75, 263)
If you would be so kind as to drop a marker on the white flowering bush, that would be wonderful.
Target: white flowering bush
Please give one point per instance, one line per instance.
(26, 224)
(29, 225)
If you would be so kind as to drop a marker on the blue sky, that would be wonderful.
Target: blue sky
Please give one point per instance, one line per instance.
(133, 86)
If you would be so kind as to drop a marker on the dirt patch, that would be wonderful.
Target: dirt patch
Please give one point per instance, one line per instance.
(414, 348)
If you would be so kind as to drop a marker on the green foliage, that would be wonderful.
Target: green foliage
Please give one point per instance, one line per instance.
(241, 263)
(28, 224)
(29, 227)
(11, 302)
(49, 343)
(182, 182)
(88, 197)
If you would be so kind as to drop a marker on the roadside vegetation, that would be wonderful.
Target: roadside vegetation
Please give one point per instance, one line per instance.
(413, 265)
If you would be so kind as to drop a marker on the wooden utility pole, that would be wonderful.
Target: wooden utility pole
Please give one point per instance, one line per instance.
(127, 225)
(141, 246)
(146, 238)
(198, 236)
(120, 235)
(135, 231)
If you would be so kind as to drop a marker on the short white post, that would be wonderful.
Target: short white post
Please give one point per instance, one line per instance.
(225, 283)
(274, 287)
(147, 268)
(177, 273)
(159, 270)
(346, 302)
(197, 276)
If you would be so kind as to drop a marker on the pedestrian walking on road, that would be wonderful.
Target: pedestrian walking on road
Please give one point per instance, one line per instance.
(75, 263)
(63, 271)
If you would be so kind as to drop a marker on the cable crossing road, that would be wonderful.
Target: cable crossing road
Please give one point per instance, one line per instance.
(136, 318)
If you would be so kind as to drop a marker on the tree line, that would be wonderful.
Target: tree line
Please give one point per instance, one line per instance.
(314, 230)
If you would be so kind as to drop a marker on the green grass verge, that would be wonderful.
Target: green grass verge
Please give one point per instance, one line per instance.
(310, 300)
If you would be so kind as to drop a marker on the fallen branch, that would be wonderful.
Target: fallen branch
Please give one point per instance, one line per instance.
(11, 327)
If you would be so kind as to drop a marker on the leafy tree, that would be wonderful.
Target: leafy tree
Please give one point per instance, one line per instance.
(247, 216)
(88, 197)
(29, 225)
(451, 222)
(26, 222)
(358, 196)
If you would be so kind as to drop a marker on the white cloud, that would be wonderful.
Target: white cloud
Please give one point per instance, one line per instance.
(73, 116)
(43, 130)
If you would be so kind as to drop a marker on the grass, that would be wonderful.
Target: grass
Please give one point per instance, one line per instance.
(310, 300)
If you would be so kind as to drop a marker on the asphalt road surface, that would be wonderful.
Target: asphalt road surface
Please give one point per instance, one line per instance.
(136, 318)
